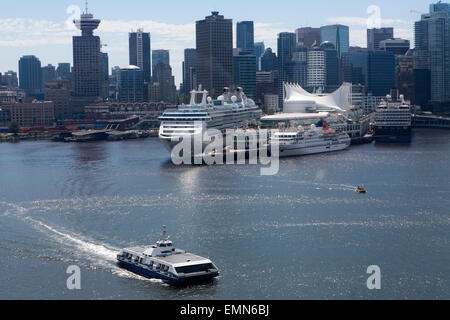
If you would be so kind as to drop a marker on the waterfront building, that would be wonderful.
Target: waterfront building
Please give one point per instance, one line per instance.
(59, 93)
(48, 74)
(36, 113)
(397, 46)
(308, 36)
(154, 92)
(245, 73)
(245, 36)
(30, 75)
(214, 38)
(377, 35)
(131, 84)
(266, 84)
(158, 56)
(271, 105)
(5, 118)
(140, 52)
(189, 70)
(338, 35)
(87, 64)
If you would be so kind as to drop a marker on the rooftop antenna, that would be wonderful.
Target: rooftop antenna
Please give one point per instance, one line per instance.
(86, 7)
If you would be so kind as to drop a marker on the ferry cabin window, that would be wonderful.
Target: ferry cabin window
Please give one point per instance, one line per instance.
(195, 268)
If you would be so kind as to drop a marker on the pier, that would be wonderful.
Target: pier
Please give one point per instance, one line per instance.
(430, 121)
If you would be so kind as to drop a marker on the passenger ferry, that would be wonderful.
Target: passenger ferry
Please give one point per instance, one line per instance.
(393, 121)
(231, 110)
(319, 139)
(163, 261)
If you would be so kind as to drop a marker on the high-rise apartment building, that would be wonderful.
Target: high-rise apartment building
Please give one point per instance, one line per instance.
(140, 52)
(214, 38)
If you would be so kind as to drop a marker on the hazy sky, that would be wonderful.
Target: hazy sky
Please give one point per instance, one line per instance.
(44, 28)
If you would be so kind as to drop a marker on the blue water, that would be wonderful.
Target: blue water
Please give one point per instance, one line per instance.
(301, 234)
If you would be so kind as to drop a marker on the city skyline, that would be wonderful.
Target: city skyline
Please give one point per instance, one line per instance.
(47, 30)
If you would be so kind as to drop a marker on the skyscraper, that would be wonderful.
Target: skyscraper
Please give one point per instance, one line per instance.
(157, 57)
(338, 35)
(189, 70)
(269, 60)
(63, 71)
(308, 36)
(286, 48)
(317, 75)
(87, 64)
(140, 52)
(395, 45)
(245, 73)
(105, 74)
(166, 81)
(332, 66)
(432, 56)
(376, 35)
(300, 65)
(214, 37)
(380, 73)
(245, 36)
(30, 75)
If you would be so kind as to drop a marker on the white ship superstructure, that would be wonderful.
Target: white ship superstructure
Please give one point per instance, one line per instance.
(231, 110)
(163, 261)
(393, 120)
(319, 139)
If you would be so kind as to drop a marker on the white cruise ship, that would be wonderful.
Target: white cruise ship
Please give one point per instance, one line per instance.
(319, 139)
(393, 121)
(232, 110)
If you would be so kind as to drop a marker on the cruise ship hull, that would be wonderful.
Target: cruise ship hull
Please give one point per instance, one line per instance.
(392, 135)
(297, 150)
(175, 281)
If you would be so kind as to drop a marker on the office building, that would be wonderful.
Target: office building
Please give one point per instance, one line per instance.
(189, 70)
(338, 35)
(140, 52)
(376, 35)
(308, 36)
(245, 73)
(432, 57)
(300, 65)
(63, 71)
(269, 61)
(131, 84)
(30, 75)
(214, 38)
(332, 67)
(59, 93)
(48, 74)
(9, 80)
(245, 36)
(286, 48)
(380, 73)
(316, 69)
(157, 57)
(36, 113)
(166, 81)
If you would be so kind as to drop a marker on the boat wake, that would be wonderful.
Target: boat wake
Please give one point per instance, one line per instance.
(83, 251)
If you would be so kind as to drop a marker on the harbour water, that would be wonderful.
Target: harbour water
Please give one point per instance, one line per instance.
(301, 234)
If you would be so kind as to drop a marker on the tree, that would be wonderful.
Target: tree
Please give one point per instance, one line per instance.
(14, 127)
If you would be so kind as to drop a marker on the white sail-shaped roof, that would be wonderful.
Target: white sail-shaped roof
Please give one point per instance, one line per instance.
(298, 100)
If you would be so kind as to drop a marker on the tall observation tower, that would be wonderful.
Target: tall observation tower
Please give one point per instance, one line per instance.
(87, 24)
(87, 64)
